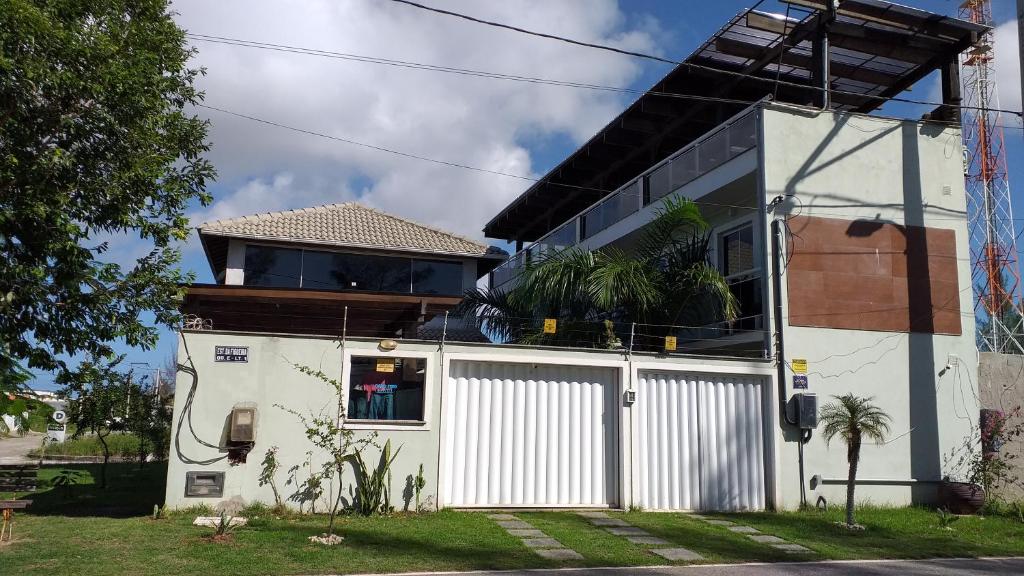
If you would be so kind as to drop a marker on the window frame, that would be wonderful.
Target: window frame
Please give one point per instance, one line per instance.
(390, 425)
(719, 248)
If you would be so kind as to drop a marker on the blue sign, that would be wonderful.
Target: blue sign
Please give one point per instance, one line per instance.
(799, 381)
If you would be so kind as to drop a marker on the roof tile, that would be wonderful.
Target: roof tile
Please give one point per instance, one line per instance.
(347, 224)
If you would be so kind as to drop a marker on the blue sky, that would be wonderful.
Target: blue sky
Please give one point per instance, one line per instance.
(511, 127)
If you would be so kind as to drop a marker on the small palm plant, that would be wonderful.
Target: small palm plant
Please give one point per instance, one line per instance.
(853, 418)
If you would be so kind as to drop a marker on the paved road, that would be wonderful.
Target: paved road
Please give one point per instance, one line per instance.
(980, 567)
(14, 448)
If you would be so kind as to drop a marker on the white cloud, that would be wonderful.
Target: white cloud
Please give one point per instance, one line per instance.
(1007, 66)
(487, 123)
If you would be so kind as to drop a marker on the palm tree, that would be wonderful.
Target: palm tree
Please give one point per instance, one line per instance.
(853, 418)
(666, 279)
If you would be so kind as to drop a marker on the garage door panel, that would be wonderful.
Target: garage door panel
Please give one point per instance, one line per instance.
(700, 441)
(543, 435)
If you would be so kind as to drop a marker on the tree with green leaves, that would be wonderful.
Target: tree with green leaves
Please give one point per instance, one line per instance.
(148, 418)
(853, 419)
(98, 401)
(666, 280)
(97, 144)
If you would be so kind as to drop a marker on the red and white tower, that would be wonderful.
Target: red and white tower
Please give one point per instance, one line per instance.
(996, 274)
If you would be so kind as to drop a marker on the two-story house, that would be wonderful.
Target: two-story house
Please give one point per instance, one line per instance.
(329, 269)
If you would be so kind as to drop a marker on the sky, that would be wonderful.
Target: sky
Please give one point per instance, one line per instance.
(504, 126)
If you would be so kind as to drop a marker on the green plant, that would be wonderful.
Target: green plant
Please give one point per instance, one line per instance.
(327, 432)
(946, 519)
(980, 460)
(225, 525)
(66, 480)
(853, 418)
(372, 493)
(667, 279)
(418, 484)
(98, 401)
(268, 470)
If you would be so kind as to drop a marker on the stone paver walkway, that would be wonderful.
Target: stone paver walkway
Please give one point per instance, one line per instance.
(659, 546)
(536, 540)
(756, 535)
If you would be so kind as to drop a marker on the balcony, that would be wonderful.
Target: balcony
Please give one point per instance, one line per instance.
(727, 141)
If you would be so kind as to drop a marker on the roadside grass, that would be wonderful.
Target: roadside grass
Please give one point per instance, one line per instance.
(96, 532)
(904, 533)
(121, 445)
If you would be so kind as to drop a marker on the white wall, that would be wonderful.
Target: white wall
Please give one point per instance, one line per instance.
(852, 167)
(269, 379)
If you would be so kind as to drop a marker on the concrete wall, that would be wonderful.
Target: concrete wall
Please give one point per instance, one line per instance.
(858, 167)
(1001, 387)
(270, 380)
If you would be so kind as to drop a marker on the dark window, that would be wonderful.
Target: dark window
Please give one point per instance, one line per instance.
(340, 271)
(386, 389)
(436, 277)
(269, 266)
(738, 251)
(744, 276)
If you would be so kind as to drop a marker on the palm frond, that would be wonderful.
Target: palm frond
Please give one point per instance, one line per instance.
(849, 416)
(620, 281)
(677, 217)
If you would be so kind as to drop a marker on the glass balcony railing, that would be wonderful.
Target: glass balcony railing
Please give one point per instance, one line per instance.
(726, 142)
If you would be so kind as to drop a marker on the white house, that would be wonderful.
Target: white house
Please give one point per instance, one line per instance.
(843, 234)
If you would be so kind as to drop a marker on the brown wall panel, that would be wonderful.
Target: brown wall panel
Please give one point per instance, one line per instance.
(867, 275)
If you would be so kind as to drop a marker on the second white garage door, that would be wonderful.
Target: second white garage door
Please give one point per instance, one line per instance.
(700, 441)
(530, 435)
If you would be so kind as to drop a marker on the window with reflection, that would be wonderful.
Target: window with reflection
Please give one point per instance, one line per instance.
(436, 277)
(341, 271)
(739, 266)
(386, 389)
(272, 266)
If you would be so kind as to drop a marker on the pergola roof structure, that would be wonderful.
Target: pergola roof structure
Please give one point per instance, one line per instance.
(876, 51)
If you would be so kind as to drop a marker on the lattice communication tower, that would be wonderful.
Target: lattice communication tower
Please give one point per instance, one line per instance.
(995, 272)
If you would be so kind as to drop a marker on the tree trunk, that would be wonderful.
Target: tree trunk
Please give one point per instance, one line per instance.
(106, 459)
(853, 456)
(334, 507)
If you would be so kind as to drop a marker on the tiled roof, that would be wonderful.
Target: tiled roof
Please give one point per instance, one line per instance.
(348, 224)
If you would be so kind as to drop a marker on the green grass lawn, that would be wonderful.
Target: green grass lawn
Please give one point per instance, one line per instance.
(93, 532)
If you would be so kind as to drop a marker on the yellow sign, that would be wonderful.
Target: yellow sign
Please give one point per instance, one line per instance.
(670, 343)
(385, 365)
(799, 366)
(550, 325)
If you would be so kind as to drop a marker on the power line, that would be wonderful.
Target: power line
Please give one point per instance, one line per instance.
(539, 34)
(451, 69)
(475, 168)
(691, 65)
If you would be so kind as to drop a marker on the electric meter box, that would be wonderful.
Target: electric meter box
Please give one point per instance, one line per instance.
(243, 423)
(806, 411)
(204, 484)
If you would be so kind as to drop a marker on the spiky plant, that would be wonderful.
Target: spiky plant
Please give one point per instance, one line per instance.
(853, 419)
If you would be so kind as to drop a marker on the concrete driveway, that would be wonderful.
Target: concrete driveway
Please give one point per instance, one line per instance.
(966, 567)
(13, 449)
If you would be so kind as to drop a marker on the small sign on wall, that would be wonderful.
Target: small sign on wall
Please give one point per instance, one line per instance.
(670, 343)
(230, 353)
(799, 366)
(386, 365)
(550, 325)
(799, 381)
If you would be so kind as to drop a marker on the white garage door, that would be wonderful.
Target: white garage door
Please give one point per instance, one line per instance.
(700, 441)
(530, 435)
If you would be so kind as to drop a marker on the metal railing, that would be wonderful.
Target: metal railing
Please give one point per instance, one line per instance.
(727, 141)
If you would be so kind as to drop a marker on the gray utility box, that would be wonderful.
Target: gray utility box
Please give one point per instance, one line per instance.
(806, 408)
(204, 484)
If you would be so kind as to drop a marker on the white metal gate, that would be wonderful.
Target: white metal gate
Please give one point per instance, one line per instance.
(530, 435)
(700, 440)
